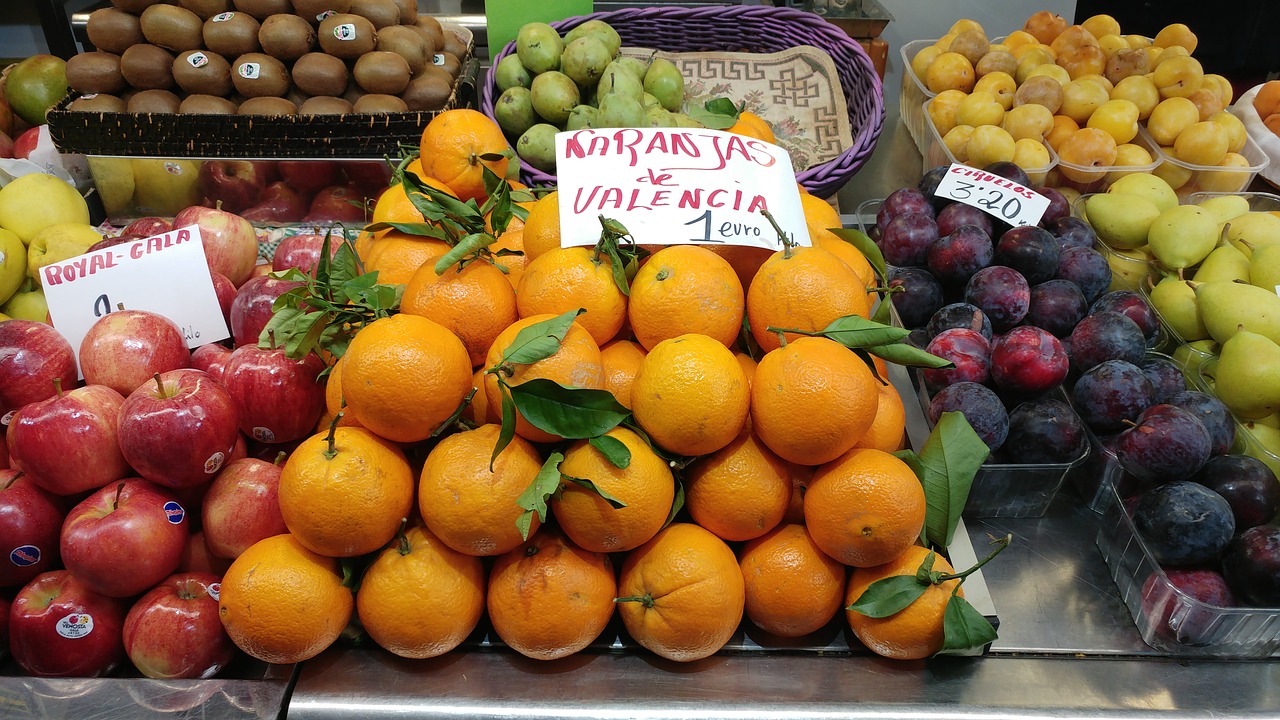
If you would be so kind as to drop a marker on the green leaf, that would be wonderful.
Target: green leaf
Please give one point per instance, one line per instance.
(540, 340)
(890, 595)
(858, 332)
(290, 275)
(949, 460)
(436, 200)
(457, 413)
(911, 459)
(419, 229)
(534, 498)
(357, 288)
(715, 121)
(465, 247)
(283, 322)
(677, 503)
(508, 429)
(304, 336)
(721, 106)
(293, 298)
(613, 449)
(964, 628)
(344, 266)
(866, 246)
(884, 311)
(905, 354)
(587, 484)
(571, 413)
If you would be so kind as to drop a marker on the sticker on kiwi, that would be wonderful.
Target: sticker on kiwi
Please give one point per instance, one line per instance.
(249, 71)
(197, 59)
(222, 17)
(437, 59)
(345, 31)
(326, 15)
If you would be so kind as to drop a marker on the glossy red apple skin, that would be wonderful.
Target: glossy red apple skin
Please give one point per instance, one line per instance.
(113, 241)
(196, 557)
(369, 175)
(211, 358)
(4, 448)
(126, 348)
(32, 354)
(24, 144)
(302, 252)
(235, 184)
(69, 443)
(30, 521)
(251, 310)
(337, 203)
(277, 399)
(174, 631)
(146, 227)
(242, 507)
(226, 292)
(178, 430)
(47, 641)
(309, 176)
(278, 203)
(124, 538)
(230, 242)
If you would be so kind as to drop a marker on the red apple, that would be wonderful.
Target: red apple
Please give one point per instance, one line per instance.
(234, 184)
(196, 557)
(226, 292)
(24, 144)
(5, 605)
(58, 627)
(178, 430)
(174, 631)
(230, 242)
(30, 520)
(124, 538)
(69, 443)
(146, 227)
(372, 176)
(6, 145)
(32, 354)
(4, 449)
(126, 348)
(309, 176)
(241, 450)
(337, 203)
(277, 399)
(278, 203)
(114, 240)
(261, 270)
(242, 507)
(303, 252)
(211, 358)
(251, 310)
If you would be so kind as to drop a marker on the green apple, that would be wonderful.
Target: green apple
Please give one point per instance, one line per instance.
(57, 243)
(33, 202)
(165, 187)
(13, 264)
(27, 305)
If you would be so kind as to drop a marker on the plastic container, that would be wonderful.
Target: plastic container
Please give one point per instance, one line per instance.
(914, 95)
(1258, 201)
(1130, 269)
(1247, 441)
(936, 152)
(1207, 178)
(1090, 179)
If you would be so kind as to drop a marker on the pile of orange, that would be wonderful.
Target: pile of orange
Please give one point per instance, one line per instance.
(781, 441)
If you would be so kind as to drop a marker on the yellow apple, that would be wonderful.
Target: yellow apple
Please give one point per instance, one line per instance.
(165, 187)
(59, 242)
(30, 203)
(27, 305)
(13, 264)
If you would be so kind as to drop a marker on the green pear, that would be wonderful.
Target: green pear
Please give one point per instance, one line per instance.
(616, 79)
(1194, 354)
(1175, 300)
(664, 81)
(1225, 208)
(619, 111)
(1129, 268)
(1252, 230)
(1264, 268)
(1263, 443)
(1148, 186)
(1121, 220)
(1224, 263)
(1182, 236)
(1247, 375)
(637, 66)
(1227, 307)
(1272, 420)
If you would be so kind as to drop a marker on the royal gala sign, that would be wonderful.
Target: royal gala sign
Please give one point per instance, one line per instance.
(677, 186)
(166, 274)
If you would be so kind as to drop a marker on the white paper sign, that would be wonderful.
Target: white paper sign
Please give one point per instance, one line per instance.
(677, 186)
(1001, 198)
(166, 274)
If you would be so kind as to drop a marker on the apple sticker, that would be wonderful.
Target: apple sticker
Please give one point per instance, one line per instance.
(174, 513)
(75, 626)
(25, 555)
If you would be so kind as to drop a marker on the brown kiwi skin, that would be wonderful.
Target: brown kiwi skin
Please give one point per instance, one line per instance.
(273, 79)
(428, 91)
(268, 106)
(324, 105)
(136, 6)
(379, 103)
(97, 103)
(212, 78)
(382, 73)
(409, 44)
(320, 74)
(154, 101)
(365, 39)
(206, 8)
(95, 72)
(286, 37)
(263, 9)
(172, 28)
(311, 10)
(233, 37)
(112, 30)
(382, 13)
(432, 28)
(408, 11)
(207, 105)
(453, 45)
(451, 64)
(147, 67)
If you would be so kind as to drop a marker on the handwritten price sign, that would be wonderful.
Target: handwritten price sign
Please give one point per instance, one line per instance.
(676, 186)
(999, 197)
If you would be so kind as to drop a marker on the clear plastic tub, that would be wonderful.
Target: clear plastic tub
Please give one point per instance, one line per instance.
(1247, 441)
(1191, 178)
(936, 152)
(914, 94)
(1258, 201)
(1130, 269)
(1091, 179)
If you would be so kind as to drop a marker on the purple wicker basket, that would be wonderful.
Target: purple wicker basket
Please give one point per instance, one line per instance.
(745, 28)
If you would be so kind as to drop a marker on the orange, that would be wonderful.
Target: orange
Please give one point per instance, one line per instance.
(621, 361)
(748, 367)
(740, 491)
(745, 261)
(548, 598)
(1267, 101)
(865, 508)
(1272, 122)
(575, 364)
(567, 279)
(347, 499)
(681, 594)
(477, 412)
(818, 213)
(690, 395)
(420, 598)
(512, 239)
(474, 303)
(364, 242)
(685, 289)
(333, 402)
(801, 476)
(753, 126)
(913, 633)
(393, 205)
(845, 250)
(404, 375)
(812, 400)
(792, 587)
(451, 146)
(282, 603)
(646, 486)
(886, 430)
(396, 256)
(470, 508)
(806, 291)
(542, 227)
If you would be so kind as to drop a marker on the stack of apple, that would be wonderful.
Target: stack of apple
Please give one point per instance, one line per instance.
(123, 499)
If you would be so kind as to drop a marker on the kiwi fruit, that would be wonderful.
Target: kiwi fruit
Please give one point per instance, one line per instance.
(203, 72)
(147, 67)
(408, 11)
(95, 72)
(263, 9)
(453, 45)
(268, 106)
(381, 73)
(172, 27)
(260, 75)
(428, 91)
(323, 105)
(313, 11)
(160, 102)
(432, 28)
(318, 74)
(135, 6)
(353, 94)
(450, 63)
(206, 8)
(207, 105)
(111, 30)
(382, 13)
(347, 36)
(100, 102)
(409, 44)
(286, 37)
(231, 34)
(377, 103)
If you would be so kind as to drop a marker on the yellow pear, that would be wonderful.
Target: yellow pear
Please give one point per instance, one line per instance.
(113, 177)
(165, 187)
(1148, 186)
(1252, 230)
(1225, 208)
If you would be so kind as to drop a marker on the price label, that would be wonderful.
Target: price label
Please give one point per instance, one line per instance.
(677, 186)
(999, 197)
(166, 274)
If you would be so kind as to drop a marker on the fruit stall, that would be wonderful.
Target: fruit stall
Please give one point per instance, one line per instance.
(637, 360)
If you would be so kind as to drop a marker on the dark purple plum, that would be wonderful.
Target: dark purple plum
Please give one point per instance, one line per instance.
(1251, 566)
(1173, 616)
(920, 298)
(1056, 306)
(957, 214)
(1111, 393)
(1131, 305)
(1184, 523)
(906, 239)
(959, 315)
(1031, 251)
(919, 337)
(1058, 205)
(1001, 293)
(902, 201)
(1009, 171)
(1045, 431)
(1249, 486)
(929, 185)
(1072, 232)
(969, 351)
(1168, 443)
(1087, 268)
(954, 258)
(1028, 361)
(1100, 337)
(1166, 378)
(1211, 413)
(979, 405)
